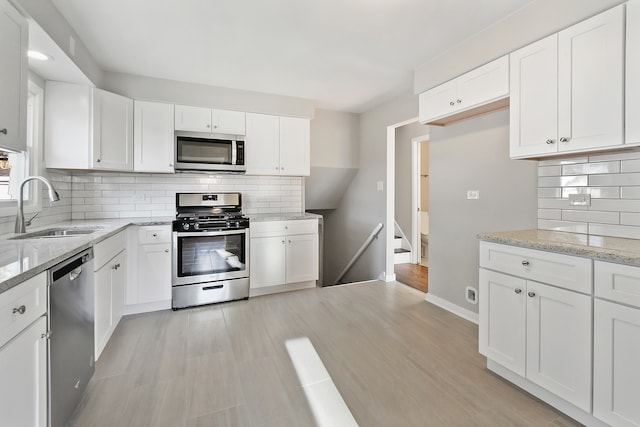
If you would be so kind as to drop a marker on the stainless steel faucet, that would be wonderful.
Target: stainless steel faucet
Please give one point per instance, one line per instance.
(21, 225)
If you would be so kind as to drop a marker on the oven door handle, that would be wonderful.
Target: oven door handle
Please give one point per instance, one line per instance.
(210, 288)
(210, 233)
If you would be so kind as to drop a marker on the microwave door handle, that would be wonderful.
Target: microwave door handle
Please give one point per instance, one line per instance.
(234, 152)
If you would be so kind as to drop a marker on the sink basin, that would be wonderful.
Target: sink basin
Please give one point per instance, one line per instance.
(57, 232)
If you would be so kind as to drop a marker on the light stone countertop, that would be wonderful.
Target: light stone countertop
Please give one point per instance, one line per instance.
(283, 216)
(25, 258)
(613, 249)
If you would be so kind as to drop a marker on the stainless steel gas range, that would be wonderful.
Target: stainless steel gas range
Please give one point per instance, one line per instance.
(210, 249)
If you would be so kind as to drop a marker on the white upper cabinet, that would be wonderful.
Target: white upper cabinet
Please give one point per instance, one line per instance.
(87, 128)
(153, 143)
(632, 124)
(200, 119)
(13, 78)
(277, 145)
(591, 82)
(567, 91)
(533, 108)
(484, 89)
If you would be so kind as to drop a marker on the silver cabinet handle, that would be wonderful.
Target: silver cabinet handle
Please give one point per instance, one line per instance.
(525, 263)
(564, 139)
(97, 160)
(518, 291)
(117, 266)
(166, 250)
(550, 141)
(3, 130)
(452, 103)
(155, 234)
(20, 310)
(531, 294)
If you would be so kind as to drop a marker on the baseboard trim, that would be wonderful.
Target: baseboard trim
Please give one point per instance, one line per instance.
(451, 307)
(147, 307)
(387, 277)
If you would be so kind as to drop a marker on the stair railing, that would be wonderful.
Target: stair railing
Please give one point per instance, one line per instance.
(364, 246)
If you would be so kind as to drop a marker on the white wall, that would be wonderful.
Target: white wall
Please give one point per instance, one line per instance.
(532, 22)
(334, 139)
(154, 89)
(473, 155)
(363, 206)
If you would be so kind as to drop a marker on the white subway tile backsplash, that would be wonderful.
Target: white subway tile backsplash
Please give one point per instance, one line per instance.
(570, 227)
(612, 180)
(621, 179)
(591, 216)
(591, 168)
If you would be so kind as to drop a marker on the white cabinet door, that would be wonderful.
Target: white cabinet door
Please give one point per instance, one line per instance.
(13, 78)
(267, 261)
(502, 327)
(484, 84)
(632, 82)
(438, 102)
(23, 369)
(533, 108)
(616, 382)
(294, 146)
(112, 131)
(118, 287)
(229, 122)
(153, 137)
(263, 144)
(591, 82)
(103, 310)
(301, 263)
(559, 342)
(154, 273)
(195, 119)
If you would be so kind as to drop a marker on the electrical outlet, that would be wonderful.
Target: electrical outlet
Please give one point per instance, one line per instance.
(473, 194)
(471, 294)
(579, 199)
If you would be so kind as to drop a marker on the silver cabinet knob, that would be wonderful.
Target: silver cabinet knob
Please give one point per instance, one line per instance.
(531, 294)
(215, 126)
(452, 103)
(166, 250)
(20, 309)
(525, 263)
(459, 101)
(97, 160)
(550, 141)
(518, 291)
(170, 165)
(283, 242)
(289, 241)
(564, 139)
(3, 130)
(208, 126)
(155, 234)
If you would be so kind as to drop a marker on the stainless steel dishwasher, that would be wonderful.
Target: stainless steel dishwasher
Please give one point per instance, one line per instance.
(71, 318)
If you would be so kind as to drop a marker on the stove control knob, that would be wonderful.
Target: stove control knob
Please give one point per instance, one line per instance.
(196, 226)
(185, 226)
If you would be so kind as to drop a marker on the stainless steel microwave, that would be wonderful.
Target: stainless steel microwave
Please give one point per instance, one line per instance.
(209, 152)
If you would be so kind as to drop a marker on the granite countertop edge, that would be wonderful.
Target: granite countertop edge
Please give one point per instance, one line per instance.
(611, 249)
(76, 245)
(283, 216)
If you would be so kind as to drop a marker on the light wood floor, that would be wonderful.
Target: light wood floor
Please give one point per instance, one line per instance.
(414, 275)
(396, 359)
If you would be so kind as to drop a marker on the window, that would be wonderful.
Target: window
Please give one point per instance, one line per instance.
(15, 167)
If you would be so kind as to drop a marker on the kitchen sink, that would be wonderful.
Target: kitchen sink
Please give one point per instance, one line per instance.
(57, 232)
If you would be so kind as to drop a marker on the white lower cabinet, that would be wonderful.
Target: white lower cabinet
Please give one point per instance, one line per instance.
(616, 380)
(540, 331)
(23, 369)
(110, 285)
(283, 253)
(149, 287)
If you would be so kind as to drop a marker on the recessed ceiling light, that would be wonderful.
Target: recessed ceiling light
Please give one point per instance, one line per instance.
(34, 54)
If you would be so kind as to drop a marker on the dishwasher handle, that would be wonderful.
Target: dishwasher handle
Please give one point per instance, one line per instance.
(73, 267)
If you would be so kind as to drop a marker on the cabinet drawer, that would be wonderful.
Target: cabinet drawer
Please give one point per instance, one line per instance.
(566, 271)
(284, 228)
(617, 282)
(154, 234)
(108, 248)
(21, 305)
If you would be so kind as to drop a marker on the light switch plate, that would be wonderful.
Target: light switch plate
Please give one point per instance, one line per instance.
(579, 199)
(473, 194)
(380, 185)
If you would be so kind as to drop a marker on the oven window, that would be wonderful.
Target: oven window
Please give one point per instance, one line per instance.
(211, 254)
(200, 150)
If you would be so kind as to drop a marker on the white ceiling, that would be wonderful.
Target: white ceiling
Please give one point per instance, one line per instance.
(348, 55)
